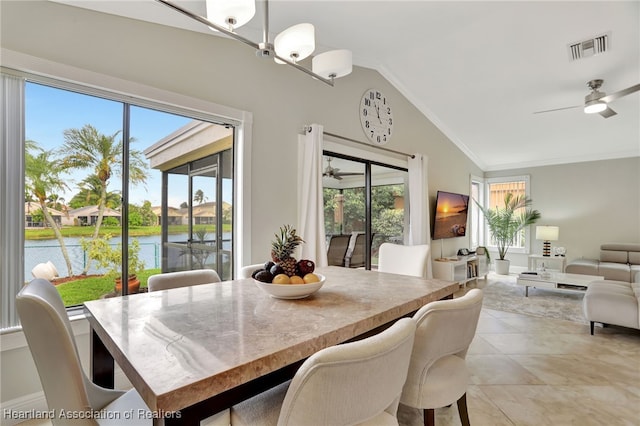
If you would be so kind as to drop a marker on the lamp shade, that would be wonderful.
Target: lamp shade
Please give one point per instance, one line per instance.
(295, 43)
(230, 13)
(547, 233)
(335, 63)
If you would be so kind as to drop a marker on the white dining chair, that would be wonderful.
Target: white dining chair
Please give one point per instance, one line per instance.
(182, 279)
(353, 383)
(246, 271)
(403, 260)
(438, 374)
(66, 388)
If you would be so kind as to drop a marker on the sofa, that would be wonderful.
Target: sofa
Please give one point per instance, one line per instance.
(618, 262)
(613, 302)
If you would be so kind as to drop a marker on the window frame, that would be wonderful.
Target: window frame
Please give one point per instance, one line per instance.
(89, 83)
(485, 235)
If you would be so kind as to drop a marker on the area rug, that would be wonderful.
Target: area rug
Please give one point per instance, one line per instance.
(502, 293)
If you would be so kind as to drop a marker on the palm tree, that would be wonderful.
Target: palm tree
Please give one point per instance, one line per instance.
(86, 148)
(199, 197)
(42, 178)
(90, 192)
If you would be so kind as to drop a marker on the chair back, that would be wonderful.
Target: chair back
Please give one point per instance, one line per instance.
(356, 258)
(351, 383)
(50, 338)
(182, 279)
(338, 246)
(246, 271)
(444, 327)
(403, 260)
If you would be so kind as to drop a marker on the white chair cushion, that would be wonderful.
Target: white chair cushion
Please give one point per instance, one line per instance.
(446, 381)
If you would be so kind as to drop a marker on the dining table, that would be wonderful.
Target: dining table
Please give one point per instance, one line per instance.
(192, 352)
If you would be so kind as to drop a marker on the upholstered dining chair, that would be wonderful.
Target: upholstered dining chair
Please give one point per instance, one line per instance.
(403, 260)
(353, 383)
(246, 271)
(438, 375)
(48, 332)
(182, 279)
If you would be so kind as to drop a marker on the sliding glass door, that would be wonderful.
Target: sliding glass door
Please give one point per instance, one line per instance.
(365, 200)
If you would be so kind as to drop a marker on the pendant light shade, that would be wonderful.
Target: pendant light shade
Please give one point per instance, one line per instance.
(295, 43)
(230, 13)
(593, 107)
(333, 64)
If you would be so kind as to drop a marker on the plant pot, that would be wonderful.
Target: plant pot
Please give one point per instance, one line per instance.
(133, 286)
(502, 267)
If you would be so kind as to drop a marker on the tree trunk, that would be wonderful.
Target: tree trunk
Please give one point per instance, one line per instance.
(58, 235)
(96, 230)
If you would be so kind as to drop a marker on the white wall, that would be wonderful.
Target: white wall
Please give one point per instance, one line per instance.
(205, 67)
(593, 203)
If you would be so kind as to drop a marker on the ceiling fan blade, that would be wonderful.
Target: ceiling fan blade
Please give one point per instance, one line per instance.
(607, 112)
(558, 109)
(349, 174)
(620, 94)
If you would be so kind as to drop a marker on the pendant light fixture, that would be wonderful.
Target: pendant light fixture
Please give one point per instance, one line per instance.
(289, 47)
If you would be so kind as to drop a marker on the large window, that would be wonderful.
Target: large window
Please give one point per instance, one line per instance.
(92, 180)
(492, 195)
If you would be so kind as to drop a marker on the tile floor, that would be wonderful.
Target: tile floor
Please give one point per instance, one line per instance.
(528, 370)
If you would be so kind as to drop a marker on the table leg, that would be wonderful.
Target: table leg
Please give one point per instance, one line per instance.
(526, 291)
(102, 364)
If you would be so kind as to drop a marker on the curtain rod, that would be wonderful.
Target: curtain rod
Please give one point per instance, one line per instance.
(308, 129)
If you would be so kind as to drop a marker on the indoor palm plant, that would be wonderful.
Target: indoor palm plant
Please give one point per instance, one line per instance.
(506, 222)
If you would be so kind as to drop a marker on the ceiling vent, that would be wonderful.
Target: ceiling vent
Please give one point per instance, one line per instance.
(590, 47)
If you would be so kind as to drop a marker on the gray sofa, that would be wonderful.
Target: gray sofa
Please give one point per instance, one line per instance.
(618, 262)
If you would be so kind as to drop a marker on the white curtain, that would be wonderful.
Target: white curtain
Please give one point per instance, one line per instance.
(310, 201)
(419, 232)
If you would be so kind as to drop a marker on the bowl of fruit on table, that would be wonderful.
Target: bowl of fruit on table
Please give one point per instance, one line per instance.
(284, 277)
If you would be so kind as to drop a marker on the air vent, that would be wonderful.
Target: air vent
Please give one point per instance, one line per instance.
(591, 47)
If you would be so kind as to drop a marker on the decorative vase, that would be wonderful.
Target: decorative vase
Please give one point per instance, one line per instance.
(133, 285)
(502, 267)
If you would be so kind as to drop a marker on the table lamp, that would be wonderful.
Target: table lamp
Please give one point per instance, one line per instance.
(547, 234)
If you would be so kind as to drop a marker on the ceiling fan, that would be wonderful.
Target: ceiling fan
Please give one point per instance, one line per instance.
(597, 101)
(335, 173)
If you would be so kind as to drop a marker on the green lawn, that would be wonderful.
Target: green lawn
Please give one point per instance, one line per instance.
(91, 288)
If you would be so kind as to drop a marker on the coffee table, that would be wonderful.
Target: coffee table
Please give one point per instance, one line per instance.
(557, 281)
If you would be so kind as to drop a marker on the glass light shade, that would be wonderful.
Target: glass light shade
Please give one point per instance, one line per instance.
(547, 233)
(234, 13)
(335, 63)
(593, 107)
(295, 43)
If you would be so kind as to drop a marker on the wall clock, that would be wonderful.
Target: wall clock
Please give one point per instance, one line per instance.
(376, 117)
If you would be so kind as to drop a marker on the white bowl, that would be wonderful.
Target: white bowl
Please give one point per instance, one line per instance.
(290, 291)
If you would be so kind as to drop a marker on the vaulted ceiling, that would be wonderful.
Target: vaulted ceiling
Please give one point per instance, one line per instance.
(477, 69)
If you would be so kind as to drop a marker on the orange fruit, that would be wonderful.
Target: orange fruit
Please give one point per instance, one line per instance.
(311, 278)
(281, 279)
(296, 280)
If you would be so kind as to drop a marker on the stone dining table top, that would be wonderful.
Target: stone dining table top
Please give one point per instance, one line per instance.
(182, 346)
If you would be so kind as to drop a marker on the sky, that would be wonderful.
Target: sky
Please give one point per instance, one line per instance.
(51, 111)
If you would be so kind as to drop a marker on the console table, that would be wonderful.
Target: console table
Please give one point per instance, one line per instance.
(550, 262)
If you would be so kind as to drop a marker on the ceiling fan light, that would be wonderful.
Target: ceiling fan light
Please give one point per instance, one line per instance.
(295, 43)
(333, 64)
(593, 107)
(230, 13)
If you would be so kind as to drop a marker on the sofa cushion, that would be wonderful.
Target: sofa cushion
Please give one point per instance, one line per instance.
(615, 271)
(621, 246)
(634, 257)
(582, 266)
(614, 256)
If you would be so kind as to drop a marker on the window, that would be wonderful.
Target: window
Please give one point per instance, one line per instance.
(89, 154)
(364, 198)
(494, 192)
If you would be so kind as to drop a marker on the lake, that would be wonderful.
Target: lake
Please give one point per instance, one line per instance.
(41, 251)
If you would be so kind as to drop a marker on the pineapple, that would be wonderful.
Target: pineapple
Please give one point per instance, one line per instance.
(283, 247)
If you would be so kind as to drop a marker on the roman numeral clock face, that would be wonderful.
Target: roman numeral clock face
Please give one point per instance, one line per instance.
(376, 117)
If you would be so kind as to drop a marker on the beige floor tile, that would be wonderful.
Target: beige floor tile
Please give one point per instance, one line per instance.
(498, 369)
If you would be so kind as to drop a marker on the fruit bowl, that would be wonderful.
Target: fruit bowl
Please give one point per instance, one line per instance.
(290, 291)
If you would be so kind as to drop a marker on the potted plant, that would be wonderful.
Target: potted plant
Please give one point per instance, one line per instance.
(506, 222)
(110, 258)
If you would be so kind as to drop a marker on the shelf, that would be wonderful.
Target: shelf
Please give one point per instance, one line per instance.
(461, 270)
